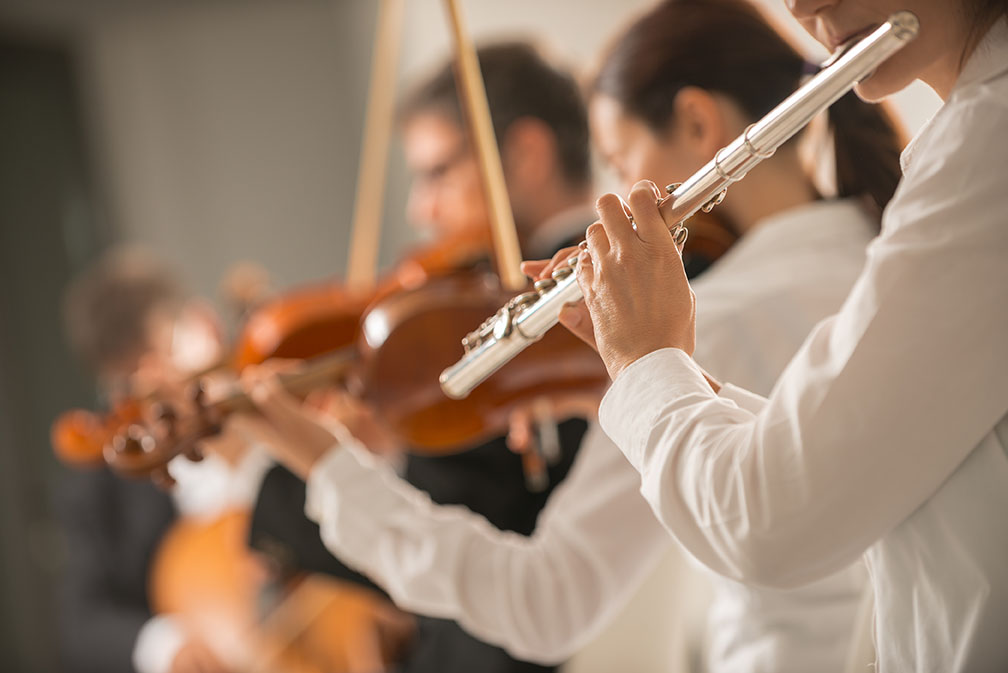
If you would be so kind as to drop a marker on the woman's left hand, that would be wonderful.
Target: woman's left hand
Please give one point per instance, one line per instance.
(296, 435)
(633, 281)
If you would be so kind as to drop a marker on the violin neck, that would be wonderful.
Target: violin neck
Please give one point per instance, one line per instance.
(314, 374)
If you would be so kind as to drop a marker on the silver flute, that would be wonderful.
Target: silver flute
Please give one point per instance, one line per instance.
(523, 320)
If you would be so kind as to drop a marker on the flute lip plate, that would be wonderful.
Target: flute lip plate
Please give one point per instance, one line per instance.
(905, 25)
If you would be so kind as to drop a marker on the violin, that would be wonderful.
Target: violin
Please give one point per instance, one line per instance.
(300, 324)
(318, 319)
(79, 436)
(400, 343)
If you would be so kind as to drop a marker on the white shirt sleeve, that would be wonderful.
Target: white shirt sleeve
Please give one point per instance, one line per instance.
(541, 597)
(880, 405)
(157, 643)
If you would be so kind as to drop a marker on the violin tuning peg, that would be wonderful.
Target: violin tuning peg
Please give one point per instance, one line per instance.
(166, 417)
(132, 442)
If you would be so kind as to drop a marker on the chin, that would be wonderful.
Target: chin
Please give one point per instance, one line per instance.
(880, 85)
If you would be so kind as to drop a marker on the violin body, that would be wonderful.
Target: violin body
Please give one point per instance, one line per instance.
(322, 318)
(408, 338)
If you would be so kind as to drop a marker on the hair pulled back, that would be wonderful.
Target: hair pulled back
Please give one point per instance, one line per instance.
(728, 47)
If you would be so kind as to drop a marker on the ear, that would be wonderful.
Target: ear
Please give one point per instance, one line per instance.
(529, 153)
(700, 122)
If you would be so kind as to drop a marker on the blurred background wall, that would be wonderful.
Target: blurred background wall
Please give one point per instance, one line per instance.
(213, 131)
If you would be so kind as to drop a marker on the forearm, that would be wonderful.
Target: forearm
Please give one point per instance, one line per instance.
(540, 597)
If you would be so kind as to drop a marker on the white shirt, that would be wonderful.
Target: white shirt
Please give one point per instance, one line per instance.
(887, 432)
(543, 597)
(754, 308)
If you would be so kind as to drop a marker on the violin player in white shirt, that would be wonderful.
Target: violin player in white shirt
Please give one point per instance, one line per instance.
(655, 111)
(886, 434)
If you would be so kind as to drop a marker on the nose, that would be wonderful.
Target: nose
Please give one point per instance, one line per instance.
(807, 9)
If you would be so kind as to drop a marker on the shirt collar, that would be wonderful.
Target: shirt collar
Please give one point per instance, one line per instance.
(988, 60)
(814, 225)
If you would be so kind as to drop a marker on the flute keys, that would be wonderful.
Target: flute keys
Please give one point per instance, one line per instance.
(545, 285)
(679, 235)
(709, 206)
(504, 323)
(523, 300)
(561, 273)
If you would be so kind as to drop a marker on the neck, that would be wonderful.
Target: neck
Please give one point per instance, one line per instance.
(776, 185)
(944, 73)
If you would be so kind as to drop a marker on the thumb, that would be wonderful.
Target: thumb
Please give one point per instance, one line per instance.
(577, 319)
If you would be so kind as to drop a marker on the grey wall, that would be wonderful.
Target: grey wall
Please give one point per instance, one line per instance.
(48, 229)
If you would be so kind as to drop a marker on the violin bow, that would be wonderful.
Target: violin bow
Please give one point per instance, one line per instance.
(472, 92)
(365, 237)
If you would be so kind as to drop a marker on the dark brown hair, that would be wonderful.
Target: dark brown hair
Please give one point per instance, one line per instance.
(519, 83)
(726, 46)
(980, 15)
(108, 308)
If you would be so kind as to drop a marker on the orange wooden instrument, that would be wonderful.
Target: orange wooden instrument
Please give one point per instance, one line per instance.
(300, 324)
(403, 341)
(79, 436)
(204, 575)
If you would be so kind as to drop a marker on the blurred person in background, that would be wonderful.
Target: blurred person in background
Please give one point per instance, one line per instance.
(541, 126)
(131, 322)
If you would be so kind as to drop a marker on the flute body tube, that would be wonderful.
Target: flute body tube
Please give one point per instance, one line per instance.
(526, 318)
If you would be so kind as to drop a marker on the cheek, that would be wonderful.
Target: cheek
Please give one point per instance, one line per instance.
(461, 204)
(469, 198)
(663, 167)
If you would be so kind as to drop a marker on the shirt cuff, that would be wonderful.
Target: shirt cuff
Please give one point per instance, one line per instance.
(157, 643)
(642, 391)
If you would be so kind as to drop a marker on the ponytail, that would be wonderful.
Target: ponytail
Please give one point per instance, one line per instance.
(867, 144)
(727, 46)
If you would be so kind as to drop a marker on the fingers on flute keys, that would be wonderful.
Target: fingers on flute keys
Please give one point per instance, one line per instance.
(538, 269)
(643, 199)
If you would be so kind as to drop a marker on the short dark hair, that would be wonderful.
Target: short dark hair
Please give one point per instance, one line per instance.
(519, 83)
(108, 308)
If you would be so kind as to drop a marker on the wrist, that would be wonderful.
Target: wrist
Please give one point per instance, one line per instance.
(617, 363)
